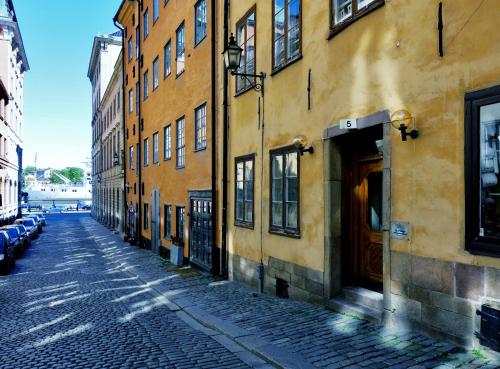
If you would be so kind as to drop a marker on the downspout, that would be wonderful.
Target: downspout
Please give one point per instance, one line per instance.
(124, 142)
(139, 127)
(213, 128)
(225, 129)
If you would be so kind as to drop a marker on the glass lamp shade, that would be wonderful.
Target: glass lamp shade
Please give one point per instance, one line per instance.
(232, 55)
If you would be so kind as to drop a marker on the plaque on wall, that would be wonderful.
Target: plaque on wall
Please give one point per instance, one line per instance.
(400, 230)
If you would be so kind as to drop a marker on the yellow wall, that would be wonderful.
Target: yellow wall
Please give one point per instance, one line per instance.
(386, 60)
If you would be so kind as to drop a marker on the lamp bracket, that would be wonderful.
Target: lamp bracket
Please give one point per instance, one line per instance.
(256, 86)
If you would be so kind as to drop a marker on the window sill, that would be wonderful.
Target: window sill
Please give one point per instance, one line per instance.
(167, 159)
(278, 69)
(200, 41)
(484, 249)
(335, 29)
(200, 149)
(180, 167)
(180, 74)
(244, 225)
(166, 76)
(280, 232)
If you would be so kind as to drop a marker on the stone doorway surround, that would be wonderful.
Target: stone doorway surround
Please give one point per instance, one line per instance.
(333, 204)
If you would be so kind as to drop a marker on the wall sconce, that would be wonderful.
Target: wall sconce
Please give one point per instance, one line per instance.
(401, 117)
(300, 143)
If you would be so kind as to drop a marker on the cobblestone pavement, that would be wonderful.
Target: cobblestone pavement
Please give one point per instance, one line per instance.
(66, 306)
(83, 298)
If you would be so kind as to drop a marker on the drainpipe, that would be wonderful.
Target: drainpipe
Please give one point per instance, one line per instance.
(124, 167)
(225, 128)
(139, 127)
(214, 127)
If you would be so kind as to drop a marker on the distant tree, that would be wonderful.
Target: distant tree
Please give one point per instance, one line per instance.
(29, 170)
(55, 179)
(74, 174)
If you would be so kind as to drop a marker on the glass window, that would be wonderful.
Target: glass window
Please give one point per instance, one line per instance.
(138, 163)
(200, 124)
(245, 35)
(146, 152)
(180, 144)
(179, 217)
(131, 157)
(155, 148)
(156, 80)
(146, 216)
(137, 98)
(285, 191)
(156, 11)
(344, 10)
(200, 27)
(167, 143)
(146, 85)
(145, 23)
(129, 48)
(167, 60)
(130, 101)
(482, 191)
(287, 31)
(167, 223)
(180, 50)
(137, 39)
(244, 191)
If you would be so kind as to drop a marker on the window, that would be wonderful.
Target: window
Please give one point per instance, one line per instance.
(146, 152)
(131, 157)
(129, 47)
(137, 39)
(156, 12)
(130, 101)
(347, 11)
(137, 98)
(138, 163)
(167, 224)
(146, 85)
(285, 192)
(287, 32)
(482, 171)
(244, 191)
(179, 220)
(155, 148)
(167, 142)
(155, 73)
(200, 126)
(180, 49)
(200, 24)
(146, 216)
(146, 23)
(167, 60)
(245, 35)
(180, 145)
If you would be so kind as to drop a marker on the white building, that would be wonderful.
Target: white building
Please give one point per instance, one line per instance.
(13, 65)
(105, 74)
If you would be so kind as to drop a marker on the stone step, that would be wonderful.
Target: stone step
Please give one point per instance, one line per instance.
(364, 312)
(364, 297)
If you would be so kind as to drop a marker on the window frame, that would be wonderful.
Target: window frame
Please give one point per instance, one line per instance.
(146, 216)
(156, 148)
(145, 24)
(277, 68)
(145, 161)
(156, 71)
(283, 230)
(181, 148)
(169, 59)
(137, 42)
(145, 85)
(356, 14)
(131, 157)
(167, 222)
(196, 40)
(474, 243)
(156, 11)
(183, 26)
(237, 160)
(203, 145)
(178, 211)
(169, 128)
(130, 101)
(244, 19)
(130, 52)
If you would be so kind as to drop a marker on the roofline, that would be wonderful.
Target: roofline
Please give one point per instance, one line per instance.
(17, 31)
(120, 8)
(4, 94)
(106, 38)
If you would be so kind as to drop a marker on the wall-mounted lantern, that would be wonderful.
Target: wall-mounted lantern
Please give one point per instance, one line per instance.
(300, 143)
(401, 118)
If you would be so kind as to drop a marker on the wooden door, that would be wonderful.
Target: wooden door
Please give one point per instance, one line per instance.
(368, 216)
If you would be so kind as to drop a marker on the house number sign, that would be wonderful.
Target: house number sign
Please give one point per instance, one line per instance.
(350, 123)
(400, 230)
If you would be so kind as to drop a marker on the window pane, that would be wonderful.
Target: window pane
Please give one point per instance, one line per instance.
(180, 49)
(167, 54)
(249, 170)
(201, 21)
(155, 73)
(489, 166)
(291, 215)
(343, 9)
(374, 211)
(155, 148)
(248, 211)
(239, 172)
(277, 214)
(363, 3)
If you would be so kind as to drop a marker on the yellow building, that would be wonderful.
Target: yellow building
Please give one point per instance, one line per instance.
(409, 227)
(170, 89)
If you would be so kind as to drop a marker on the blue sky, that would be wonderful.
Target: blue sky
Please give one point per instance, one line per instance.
(58, 36)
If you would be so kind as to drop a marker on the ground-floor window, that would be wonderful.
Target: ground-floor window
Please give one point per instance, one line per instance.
(482, 170)
(146, 216)
(244, 190)
(179, 220)
(167, 221)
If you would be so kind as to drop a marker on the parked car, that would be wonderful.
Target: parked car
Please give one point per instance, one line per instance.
(14, 239)
(7, 257)
(38, 222)
(31, 226)
(41, 216)
(24, 234)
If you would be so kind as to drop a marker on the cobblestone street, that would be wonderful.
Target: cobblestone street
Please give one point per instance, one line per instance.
(82, 298)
